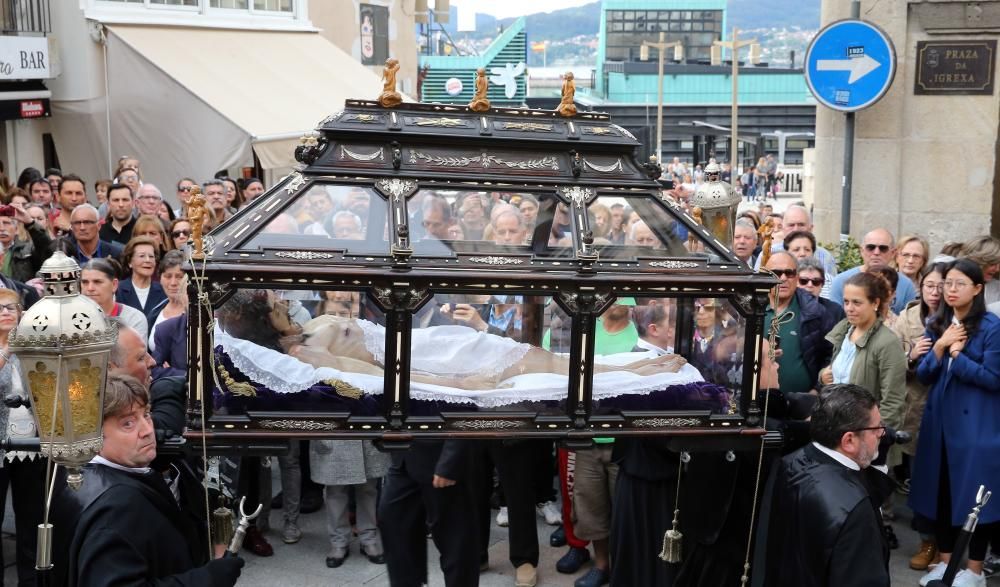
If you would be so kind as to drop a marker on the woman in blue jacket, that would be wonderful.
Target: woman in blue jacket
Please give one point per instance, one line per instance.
(959, 444)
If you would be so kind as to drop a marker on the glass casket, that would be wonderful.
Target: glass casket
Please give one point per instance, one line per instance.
(430, 271)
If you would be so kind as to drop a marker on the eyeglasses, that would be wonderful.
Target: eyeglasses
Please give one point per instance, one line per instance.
(703, 307)
(881, 248)
(186, 188)
(911, 256)
(956, 284)
(12, 308)
(786, 273)
(815, 281)
(83, 223)
(149, 198)
(880, 429)
(938, 287)
(180, 233)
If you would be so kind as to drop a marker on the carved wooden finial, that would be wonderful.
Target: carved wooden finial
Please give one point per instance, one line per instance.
(566, 106)
(480, 103)
(390, 98)
(196, 214)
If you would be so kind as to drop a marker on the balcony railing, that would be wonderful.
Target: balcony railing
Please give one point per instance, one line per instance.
(25, 16)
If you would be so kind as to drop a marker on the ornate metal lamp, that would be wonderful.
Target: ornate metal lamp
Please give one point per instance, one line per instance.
(719, 203)
(63, 343)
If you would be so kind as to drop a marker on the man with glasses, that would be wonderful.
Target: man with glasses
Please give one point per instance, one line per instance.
(148, 200)
(84, 242)
(802, 327)
(121, 218)
(877, 249)
(72, 193)
(825, 526)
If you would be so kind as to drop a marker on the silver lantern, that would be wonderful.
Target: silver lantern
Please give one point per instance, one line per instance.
(719, 203)
(63, 343)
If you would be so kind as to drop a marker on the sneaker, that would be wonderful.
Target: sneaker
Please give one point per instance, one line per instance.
(936, 573)
(550, 511)
(924, 557)
(991, 565)
(526, 575)
(502, 518)
(969, 579)
(291, 533)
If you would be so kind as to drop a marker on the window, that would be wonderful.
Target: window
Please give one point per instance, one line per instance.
(235, 4)
(273, 5)
(175, 2)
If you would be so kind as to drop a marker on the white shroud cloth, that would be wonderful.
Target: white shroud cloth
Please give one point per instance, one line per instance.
(447, 350)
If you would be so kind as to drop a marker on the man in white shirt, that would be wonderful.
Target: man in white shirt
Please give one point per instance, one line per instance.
(655, 324)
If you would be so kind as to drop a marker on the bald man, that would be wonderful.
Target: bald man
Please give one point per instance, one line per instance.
(878, 248)
(798, 218)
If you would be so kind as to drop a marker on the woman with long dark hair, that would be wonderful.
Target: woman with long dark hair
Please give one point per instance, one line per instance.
(959, 445)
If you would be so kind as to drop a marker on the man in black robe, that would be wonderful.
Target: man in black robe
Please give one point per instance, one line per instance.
(825, 526)
(124, 525)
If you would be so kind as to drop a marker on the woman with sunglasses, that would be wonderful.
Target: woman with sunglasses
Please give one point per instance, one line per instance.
(959, 445)
(910, 328)
(180, 232)
(802, 244)
(812, 279)
(22, 472)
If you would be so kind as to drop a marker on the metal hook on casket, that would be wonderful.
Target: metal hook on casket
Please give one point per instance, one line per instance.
(241, 530)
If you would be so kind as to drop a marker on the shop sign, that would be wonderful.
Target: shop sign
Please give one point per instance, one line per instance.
(24, 57)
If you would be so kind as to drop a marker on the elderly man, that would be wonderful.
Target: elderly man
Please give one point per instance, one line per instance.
(148, 199)
(508, 227)
(84, 242)
(825, 527)
(877, 249)
(125, 525)
(347, 225)
(655, 324)
(803, 326)
(797, 218)
(640, 235)
(22, 259)
(72, 193)
(437, 217)
(215, 198)
(744, 241)
(121, 218)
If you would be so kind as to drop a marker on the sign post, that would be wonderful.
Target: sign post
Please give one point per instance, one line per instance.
(850, 65)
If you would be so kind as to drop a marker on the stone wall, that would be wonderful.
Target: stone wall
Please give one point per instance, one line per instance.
(922, 164)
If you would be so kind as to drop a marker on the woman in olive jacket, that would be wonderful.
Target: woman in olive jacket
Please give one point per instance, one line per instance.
(865, 351)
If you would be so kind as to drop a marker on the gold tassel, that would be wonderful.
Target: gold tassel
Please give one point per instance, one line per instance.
(222, 525)
(671, 552)
(235, 387)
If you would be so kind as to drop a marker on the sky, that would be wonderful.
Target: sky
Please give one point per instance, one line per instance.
(508, 8)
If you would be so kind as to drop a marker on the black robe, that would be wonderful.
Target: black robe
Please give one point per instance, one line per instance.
(825, 527)
(122, 528)
(642, 511)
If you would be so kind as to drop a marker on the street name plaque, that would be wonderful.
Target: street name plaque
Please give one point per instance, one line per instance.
(955, 67)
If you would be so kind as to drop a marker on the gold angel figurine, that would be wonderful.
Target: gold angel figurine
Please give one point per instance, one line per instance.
(479, 101)
(196, 214)
(390, 98)
(766, 231)
(566, 105)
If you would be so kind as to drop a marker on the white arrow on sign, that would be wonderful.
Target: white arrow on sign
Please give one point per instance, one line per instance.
(859, 66)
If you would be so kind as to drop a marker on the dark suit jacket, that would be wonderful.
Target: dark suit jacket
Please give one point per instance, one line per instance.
(126, 295)
(68, 245)
(425, 458)
(170, 341)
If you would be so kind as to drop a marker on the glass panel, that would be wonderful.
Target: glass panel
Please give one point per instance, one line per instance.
(175, 2)
(444, 222)
(351, 218)
(299, 350)
(236, 4)
(629, 227)
(273, 5)
(685, 355)
(480, 353)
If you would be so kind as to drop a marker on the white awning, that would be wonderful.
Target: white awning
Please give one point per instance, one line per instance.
(189, 102)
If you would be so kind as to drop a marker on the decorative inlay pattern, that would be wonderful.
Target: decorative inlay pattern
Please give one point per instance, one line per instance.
(304, 255)
(485, 161)
(527, 126)
(624, 131)
(363, 118)
(346, 153)
(493, 260)
(395, 187)
(311, 425)
(439, 122)
(297, 180)
(662, 422)
(599, 131)
(616, 166)
(578, 195)
(674, 264)
(488, 424)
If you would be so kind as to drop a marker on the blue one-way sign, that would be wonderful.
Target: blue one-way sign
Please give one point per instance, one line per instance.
(850, 65)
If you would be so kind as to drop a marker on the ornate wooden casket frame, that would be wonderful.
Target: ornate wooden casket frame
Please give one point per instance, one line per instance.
(395, 153)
